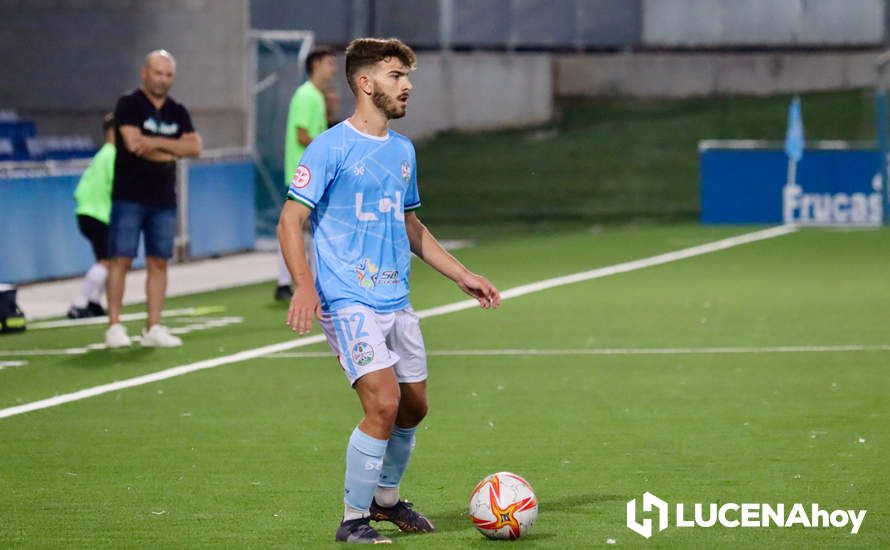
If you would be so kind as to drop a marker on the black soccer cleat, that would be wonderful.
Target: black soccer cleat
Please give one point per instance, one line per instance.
(75, 312)
(96, 309)
(283, 292)
(359, 531)
(403, 515)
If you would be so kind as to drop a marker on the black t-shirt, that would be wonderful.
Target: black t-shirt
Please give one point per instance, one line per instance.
(136, 179)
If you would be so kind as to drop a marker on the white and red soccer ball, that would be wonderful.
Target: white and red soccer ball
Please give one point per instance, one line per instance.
(503, 506)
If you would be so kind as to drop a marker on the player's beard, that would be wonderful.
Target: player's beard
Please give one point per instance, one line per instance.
(388, 105)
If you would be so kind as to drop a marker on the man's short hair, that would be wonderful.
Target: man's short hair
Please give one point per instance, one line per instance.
(364, 52)
(107, 122)
(317, 54)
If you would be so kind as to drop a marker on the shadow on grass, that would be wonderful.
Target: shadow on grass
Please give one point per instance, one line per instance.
(458, 520)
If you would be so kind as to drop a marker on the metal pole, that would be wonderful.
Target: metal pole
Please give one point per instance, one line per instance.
(883, 146)
(883, 134)
(446, 24)
(181, 243)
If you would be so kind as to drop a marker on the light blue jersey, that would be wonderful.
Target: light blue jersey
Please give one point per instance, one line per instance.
(359, 187)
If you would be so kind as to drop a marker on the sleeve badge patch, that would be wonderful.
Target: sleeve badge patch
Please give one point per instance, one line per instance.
(302, 177)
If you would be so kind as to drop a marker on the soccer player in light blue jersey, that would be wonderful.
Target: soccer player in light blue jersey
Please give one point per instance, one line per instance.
(357, 184)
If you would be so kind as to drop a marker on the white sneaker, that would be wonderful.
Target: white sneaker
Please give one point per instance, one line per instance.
(116, 336)
(159, 336)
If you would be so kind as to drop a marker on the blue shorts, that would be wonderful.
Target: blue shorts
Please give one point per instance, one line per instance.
(129, 219)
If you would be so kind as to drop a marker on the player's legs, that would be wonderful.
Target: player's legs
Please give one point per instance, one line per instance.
(406, 341)
(87, 302)
(412, 408)
(378, 392)
(160, 230)
(123, 242)
(356, 335)
(155, 289)
(117, 274)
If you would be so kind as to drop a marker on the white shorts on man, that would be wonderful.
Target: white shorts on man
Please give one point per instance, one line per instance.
(366, 341)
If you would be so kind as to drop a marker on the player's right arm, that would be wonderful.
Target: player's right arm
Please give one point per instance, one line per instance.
(303, 137)
(305, 302)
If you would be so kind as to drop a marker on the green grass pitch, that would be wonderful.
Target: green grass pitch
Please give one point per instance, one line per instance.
(250, 455)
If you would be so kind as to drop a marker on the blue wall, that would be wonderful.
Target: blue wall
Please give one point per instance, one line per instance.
(222, 211)
(42, 241)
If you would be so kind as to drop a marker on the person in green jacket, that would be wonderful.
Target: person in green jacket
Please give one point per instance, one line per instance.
(307, 117)
(93, 197)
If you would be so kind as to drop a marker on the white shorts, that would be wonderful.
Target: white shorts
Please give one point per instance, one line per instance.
(366, 341)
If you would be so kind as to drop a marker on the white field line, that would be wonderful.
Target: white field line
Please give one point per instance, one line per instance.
(620, 351)
(601, 272)
(202, 323)
(432, 312)
(64, 323)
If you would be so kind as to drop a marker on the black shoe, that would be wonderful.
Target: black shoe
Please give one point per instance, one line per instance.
(359, 531)
(283, 292)
(96, 309)
(403, 515)
(75, 312)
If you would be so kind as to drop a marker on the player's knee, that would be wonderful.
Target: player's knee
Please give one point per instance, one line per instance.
(417, 412)
(156, 264)
(385, 410)
(122, 261)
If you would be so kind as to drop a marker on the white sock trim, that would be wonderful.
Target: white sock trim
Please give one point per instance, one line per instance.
(353, 513)
(386, 496)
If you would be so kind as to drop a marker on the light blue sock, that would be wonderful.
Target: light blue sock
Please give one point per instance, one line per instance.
(398, 452)
(364, 459)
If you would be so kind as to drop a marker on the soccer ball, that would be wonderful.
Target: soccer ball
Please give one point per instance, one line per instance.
(503, 506)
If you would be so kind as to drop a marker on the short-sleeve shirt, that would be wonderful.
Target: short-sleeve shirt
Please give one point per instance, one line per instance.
(93, 192)
(306, 111)
(359, 187)
(136, 179)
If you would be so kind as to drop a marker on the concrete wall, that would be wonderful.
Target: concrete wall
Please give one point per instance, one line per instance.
(65, 62)
(585, 24)
(478, 91)
(727, 23)
(674, 75)
(471, 91)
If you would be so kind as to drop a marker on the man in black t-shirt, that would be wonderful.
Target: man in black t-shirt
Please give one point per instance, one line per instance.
(151, 132)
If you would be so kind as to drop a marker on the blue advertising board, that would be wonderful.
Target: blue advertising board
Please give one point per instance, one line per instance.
(42, 240)
(832, 186)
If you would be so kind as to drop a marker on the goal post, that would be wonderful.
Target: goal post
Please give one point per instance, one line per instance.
(276, 68)
(882, 67)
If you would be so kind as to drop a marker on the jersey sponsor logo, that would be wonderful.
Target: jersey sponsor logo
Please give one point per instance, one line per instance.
(384, 206)
(164, 128)
(362, 354)
(406, 171)
(358, 170)
(366, 272)
(390, 277)
(302, 177)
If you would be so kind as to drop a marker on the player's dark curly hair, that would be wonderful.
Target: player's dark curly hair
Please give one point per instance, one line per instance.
(363, 52)
(317, 54)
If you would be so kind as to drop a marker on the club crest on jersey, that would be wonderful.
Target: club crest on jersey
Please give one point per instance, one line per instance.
(366, 272)
(362, 354)
(406, 171)
(302, 177)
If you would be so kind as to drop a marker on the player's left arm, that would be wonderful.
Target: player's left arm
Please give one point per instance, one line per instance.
(428, 249)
